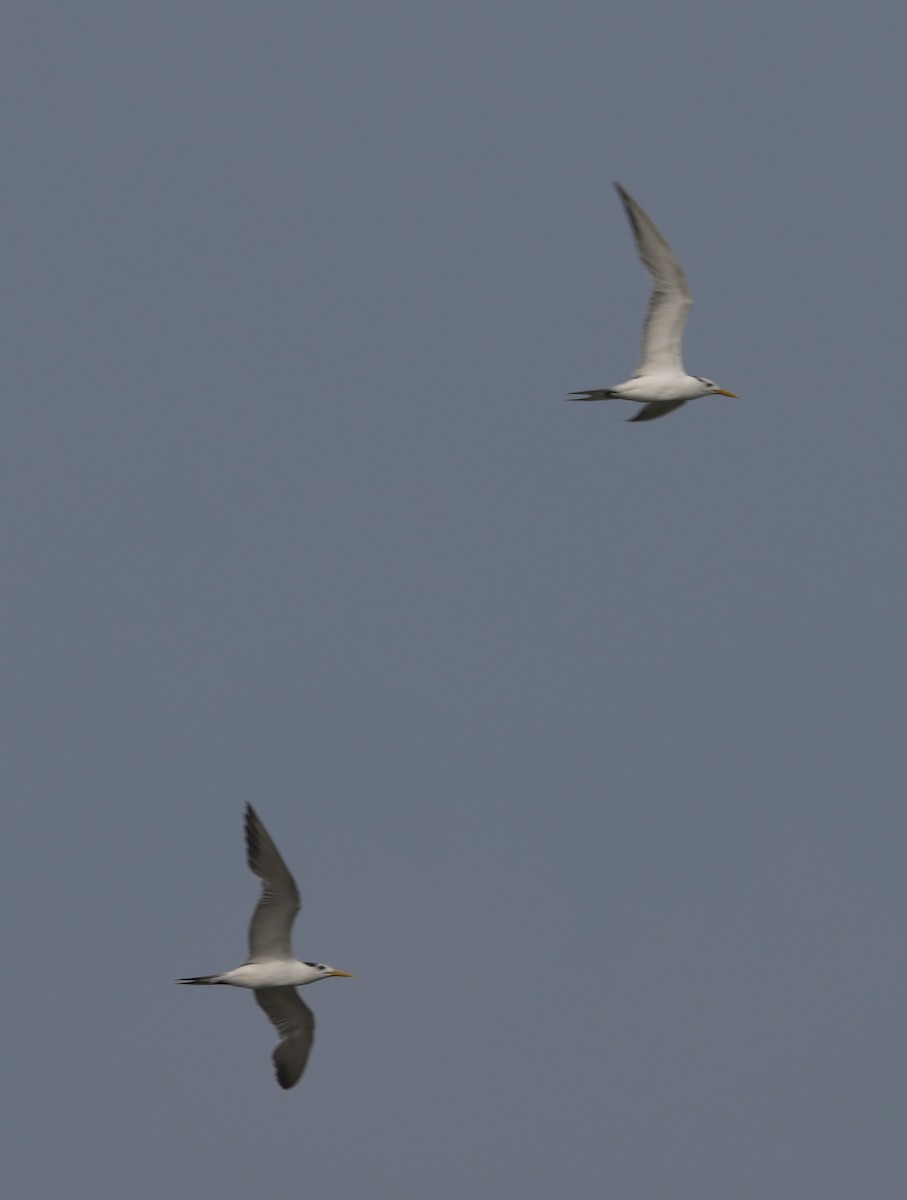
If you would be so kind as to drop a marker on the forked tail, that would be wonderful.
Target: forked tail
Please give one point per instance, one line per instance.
(597, 394)
(201, 979)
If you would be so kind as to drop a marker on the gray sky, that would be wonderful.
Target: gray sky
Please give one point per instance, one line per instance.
(586, 743)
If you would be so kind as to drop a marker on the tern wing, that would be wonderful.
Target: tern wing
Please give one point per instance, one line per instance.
(275, 912)
(670, 301)
(295, 1022)
(657, 408)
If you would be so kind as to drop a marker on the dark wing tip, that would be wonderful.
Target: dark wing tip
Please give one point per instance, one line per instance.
(626, 198)
(285, 1078)
(251, 825)
(630, 208)
(287, 1068)
(255, 835)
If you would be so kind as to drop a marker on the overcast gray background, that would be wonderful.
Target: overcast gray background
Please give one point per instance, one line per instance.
(586, 743)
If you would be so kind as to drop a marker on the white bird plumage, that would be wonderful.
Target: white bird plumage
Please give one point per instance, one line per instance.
(660, 382)
(271, 970)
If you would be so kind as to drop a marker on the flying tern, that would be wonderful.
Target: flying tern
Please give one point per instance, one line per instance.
(271, 970)
(660, 382)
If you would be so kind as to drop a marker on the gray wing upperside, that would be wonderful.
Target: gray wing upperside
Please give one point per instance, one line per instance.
(295, 1022)
(671, 299)
(275, 912)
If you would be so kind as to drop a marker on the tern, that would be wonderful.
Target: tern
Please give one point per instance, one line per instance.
(660, 381)
(271, 971)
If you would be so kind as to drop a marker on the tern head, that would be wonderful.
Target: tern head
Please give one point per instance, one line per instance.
(322, 971)
(712, 389)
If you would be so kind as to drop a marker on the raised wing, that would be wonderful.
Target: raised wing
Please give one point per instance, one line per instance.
(269, 929)
(295, 1022)
(670, 301)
